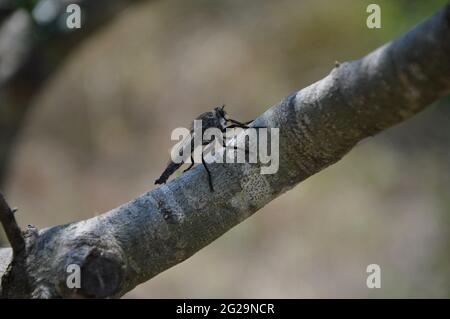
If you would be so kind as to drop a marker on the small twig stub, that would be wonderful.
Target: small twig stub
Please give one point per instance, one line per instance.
(12, 229)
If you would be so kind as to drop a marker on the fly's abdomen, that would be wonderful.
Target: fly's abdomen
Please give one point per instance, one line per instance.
(170, 169)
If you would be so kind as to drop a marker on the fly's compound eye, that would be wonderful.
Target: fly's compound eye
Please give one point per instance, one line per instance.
(222, 113)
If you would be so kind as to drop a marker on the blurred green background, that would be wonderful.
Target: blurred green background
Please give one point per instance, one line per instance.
(99, 135)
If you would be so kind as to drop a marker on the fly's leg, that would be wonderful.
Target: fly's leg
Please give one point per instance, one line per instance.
(204, 164)
(206, 167)
(244, 126)
(240, 124)
(190, 166)
(209, 174)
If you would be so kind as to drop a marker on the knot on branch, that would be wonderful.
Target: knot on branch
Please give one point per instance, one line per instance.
(101, 274)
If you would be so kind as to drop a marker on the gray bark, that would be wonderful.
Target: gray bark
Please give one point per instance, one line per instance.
(318, 126)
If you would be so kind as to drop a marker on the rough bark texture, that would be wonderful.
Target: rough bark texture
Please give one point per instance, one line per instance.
(318, 126)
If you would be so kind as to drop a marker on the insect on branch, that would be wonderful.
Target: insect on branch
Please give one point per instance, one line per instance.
(217, 118)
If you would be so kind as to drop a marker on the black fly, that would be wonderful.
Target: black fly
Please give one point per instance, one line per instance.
(216, 118)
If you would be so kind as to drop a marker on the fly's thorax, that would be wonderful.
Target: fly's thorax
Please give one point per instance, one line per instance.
(212, 121)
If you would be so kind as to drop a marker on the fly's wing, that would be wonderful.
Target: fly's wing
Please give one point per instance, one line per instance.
(184, 148)
(203, 116)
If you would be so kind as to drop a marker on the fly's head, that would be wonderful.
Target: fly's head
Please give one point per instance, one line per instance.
(221, 116)
(213, 119)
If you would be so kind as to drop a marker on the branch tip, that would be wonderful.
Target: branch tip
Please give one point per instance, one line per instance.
(12, 229)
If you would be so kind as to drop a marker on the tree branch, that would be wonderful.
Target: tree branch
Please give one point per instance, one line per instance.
(12, 230)
(318, 126)
(32, 49)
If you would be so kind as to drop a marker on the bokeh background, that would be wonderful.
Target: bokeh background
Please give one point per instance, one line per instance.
(99, 134)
